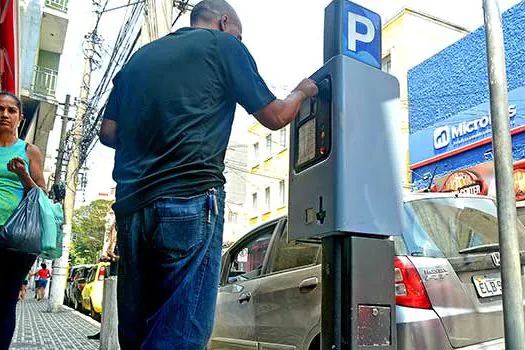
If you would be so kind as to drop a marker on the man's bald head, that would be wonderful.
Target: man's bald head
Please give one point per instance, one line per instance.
(216, 14)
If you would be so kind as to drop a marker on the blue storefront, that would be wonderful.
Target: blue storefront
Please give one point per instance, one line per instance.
(450, 129)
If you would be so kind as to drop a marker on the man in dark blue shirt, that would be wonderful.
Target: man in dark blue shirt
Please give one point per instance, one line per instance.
(169, 118)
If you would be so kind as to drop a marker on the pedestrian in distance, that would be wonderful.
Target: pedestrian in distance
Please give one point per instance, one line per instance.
(20, 170)
(169, 117)
(41, 283)
(23, 289)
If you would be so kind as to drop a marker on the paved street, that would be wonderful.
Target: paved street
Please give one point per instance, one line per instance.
(38, 329)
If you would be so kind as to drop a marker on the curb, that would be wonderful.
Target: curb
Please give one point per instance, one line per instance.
(81, 315)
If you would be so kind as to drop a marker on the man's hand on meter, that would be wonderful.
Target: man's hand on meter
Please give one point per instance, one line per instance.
(308, 87)
(279, 113)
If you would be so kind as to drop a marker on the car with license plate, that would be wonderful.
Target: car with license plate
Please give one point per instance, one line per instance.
(447, 281)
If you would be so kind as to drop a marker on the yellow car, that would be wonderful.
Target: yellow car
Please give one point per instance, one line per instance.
(92, 294)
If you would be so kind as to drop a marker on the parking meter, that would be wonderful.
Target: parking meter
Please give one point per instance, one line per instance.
(345, 182)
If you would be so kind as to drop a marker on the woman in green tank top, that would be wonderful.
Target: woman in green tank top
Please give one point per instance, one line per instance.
(20, 170)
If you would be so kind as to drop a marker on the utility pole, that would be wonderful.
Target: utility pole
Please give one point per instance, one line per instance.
(56, 297)
(63, 133)
(157, 20)
(506, 197)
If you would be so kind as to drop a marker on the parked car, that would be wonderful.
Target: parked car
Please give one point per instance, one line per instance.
(448, 285)
(72, 270)
(74, 286)
(93, 292)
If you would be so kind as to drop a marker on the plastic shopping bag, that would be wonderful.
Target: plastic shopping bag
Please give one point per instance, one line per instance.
(52, 238)
(47, 221)
(59, 218)
(52, 217)
(23, 230)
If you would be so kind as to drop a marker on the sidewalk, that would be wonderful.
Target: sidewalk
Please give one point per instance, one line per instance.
(38, 329)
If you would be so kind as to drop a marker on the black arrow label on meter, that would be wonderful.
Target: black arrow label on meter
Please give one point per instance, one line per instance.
(321, 215)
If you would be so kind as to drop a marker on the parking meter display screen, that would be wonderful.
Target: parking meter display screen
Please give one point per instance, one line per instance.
(306, 110)
(307, 142)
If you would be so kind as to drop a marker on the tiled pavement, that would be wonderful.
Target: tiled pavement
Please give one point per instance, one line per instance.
(36, 328)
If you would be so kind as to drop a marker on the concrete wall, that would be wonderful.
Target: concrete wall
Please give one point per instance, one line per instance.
(30, 23)
(49, 59)
(456, 80)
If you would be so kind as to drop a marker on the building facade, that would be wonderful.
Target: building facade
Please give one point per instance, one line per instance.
(235, 211)
(409, 38)
(267, 183)
(43, 28)
(450, 125)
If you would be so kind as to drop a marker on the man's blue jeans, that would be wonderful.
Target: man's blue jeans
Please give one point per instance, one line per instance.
(170, 257)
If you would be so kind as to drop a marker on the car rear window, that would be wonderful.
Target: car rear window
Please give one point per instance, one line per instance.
(442, 227)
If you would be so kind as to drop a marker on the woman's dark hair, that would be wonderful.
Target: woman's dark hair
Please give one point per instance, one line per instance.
(43, 265)
(14, 97)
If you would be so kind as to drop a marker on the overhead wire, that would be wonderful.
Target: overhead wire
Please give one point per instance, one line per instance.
(119, 54)
(91, 117)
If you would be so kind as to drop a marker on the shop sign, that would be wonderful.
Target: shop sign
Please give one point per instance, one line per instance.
(466, 182)
(465, 131)
(479, 180)
(519, 184)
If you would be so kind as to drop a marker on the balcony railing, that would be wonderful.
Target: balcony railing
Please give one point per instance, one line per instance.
(45, 81)
(59, 5)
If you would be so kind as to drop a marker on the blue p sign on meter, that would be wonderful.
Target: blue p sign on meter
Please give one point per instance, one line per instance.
(354, 32)
(362, 34)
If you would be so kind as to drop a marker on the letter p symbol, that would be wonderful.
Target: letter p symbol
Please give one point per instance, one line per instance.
(354, 36)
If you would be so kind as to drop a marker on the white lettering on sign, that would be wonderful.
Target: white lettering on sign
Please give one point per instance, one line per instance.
(354, 36)
(472, 189)
(465, 128)
(444, 135)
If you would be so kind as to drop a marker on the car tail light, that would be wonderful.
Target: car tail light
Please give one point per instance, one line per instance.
(410, 290)
(101, 273)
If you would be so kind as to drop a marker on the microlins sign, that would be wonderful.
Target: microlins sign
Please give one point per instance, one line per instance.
(465, 131)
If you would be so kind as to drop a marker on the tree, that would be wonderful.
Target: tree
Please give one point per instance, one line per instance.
(89, 227)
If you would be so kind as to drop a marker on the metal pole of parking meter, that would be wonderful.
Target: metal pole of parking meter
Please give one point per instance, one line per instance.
(502, 148)
(332, 299)
(109, 324)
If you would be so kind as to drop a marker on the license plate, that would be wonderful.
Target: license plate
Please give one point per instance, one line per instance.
(488, 286)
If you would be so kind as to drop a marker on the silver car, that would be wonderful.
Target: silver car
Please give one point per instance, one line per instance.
(448, 286)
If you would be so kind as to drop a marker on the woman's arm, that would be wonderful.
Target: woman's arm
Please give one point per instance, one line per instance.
(35, 176)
